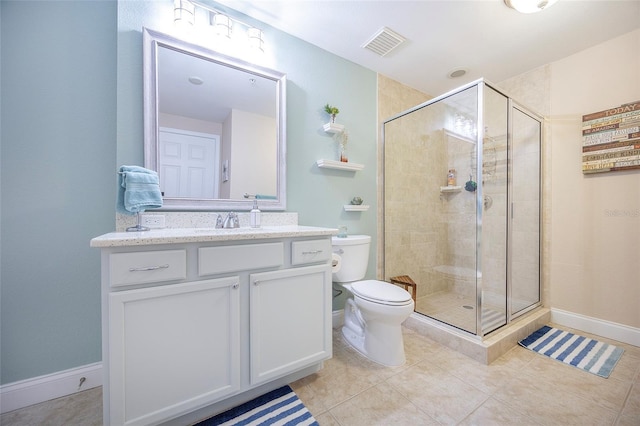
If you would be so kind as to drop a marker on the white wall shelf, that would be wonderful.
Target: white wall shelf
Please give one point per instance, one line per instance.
(331, 164)
(450, 188)
(356, 207)
(333, 128)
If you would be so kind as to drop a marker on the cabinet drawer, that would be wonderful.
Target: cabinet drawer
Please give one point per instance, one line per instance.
(218, 260)
(313, 251)
(147, 266)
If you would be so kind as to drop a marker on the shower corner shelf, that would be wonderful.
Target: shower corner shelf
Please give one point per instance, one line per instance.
(333, 128)
(356, 208)
(450, 188)
(331, 164)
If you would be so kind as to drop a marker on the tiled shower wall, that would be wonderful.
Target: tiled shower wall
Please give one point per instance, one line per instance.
(413, 219)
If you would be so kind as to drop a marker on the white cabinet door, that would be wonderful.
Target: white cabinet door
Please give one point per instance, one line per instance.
(173, 349)
(290, 320)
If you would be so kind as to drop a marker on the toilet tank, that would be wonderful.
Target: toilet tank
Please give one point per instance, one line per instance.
(354, 257)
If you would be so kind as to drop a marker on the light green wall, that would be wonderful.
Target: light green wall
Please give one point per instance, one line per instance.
(315, 77)
(71, 112)
(57, 143)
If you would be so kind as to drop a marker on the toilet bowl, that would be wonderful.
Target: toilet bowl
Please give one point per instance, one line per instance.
(375, 310)
(373, 318)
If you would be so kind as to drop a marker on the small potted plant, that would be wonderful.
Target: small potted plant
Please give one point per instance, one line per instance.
(332, 111)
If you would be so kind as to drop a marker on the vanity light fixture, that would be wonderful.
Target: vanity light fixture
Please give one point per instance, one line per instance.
(529, 6)
(183, 12)
(221, 23)
(255, 38)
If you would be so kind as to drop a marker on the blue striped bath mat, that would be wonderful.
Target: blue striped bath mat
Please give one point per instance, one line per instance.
(278, 407)
(587, 354)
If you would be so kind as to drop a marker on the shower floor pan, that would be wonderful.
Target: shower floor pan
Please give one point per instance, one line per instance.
(458, 310)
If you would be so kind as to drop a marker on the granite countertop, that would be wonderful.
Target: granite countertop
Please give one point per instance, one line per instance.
(199, 235)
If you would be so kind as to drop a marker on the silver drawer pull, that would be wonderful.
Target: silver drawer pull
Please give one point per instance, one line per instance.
(312, 252)
(236, 285)
(148, 268)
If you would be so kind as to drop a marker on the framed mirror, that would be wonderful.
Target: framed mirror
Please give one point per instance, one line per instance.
(214, 127)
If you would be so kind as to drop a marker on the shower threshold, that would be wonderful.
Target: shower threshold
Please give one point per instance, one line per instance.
(484, 350)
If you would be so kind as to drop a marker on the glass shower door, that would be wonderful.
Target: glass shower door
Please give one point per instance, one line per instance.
(493, 250)
(525, 211)
(430, 229)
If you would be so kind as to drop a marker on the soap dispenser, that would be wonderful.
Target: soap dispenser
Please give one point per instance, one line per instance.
(255, 215)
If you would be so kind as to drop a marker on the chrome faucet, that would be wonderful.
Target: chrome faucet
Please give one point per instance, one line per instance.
(219, 222)
(231, 221)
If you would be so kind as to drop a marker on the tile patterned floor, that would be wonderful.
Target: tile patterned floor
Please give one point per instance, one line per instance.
(437, 386)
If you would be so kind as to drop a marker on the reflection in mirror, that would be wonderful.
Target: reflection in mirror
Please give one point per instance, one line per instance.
(214, 127)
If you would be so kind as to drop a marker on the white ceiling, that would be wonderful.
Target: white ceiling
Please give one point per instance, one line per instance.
(222, 88)
(485, 37)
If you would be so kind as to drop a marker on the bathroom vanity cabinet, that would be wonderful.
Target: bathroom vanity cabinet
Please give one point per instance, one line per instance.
(201, 319)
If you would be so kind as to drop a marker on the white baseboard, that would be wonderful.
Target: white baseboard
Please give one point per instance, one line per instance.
(43, 388)
(620, 332)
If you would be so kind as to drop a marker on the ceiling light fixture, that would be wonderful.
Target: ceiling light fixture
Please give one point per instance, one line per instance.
(458, 72)
(529, 6)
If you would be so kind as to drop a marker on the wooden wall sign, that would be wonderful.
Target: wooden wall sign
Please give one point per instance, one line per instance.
(611, 139)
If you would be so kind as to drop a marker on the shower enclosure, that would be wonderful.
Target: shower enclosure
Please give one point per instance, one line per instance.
(471, 243)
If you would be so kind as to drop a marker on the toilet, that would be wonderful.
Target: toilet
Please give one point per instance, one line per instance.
(374, 312)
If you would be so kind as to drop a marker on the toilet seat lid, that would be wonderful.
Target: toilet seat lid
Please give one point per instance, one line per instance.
(380, 292)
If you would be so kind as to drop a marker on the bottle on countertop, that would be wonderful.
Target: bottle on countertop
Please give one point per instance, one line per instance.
(451, 177)
(255, 215)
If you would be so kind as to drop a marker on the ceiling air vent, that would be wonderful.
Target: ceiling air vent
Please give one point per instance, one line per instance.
(384, 41)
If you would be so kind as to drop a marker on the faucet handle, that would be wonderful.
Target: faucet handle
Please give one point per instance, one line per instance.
(219, 221)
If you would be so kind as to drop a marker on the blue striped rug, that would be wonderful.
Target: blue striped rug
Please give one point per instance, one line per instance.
(587, 354)
(278, 407)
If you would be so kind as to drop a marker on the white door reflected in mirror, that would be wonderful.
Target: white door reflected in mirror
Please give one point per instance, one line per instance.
(189, 164)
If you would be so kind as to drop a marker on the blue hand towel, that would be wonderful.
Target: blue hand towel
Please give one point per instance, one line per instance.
(138, 190)
(266, 197)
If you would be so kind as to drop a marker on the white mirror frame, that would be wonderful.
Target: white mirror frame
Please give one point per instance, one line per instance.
(151, 41)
